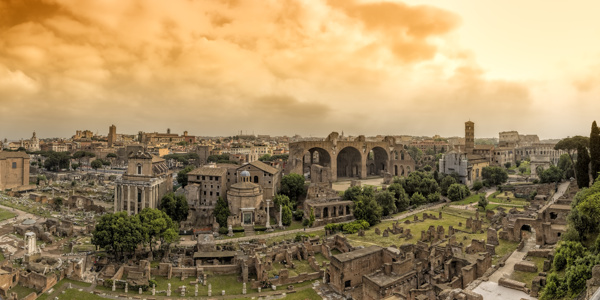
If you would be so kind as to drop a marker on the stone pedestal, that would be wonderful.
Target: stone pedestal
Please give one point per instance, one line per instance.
(183, 291)
(244, 289)
(229, 230)
(274, 287)
(280, 215)
(140, 291)
(153, 289)
(169, 290)
(259, 289)
(204, 281)
(269, 228)
(114, 287)
(126, 287)
(196, 291)
(222, 292)
(209, 290)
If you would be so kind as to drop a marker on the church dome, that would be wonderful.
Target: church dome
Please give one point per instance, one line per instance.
(245, 174)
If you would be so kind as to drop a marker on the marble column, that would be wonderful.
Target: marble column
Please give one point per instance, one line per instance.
(268, 217)
(128, 200)
(143, 198)
(135, 200)
(280, 215)
(116, 199)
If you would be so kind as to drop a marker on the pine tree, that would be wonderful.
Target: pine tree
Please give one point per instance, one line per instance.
(583, 160)
(595, 150)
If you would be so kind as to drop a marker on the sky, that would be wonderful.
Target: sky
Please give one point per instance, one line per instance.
(308, 67)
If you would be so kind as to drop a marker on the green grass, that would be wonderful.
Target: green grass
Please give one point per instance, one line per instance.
(44, 296)
(292, 236)
(21, 291)
(471, 199)
(527, 277)
(504, 248)
(499, 197)
(74, 294)
(5, 215)
(307, 293)
(451, 217)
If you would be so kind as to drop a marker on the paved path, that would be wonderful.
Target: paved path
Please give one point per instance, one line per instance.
(492, 291)
(514, 258)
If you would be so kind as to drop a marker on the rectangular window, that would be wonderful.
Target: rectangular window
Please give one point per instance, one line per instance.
(211, 193)
(210, 178)
(203, 177)
(14, 165)
(217, 194)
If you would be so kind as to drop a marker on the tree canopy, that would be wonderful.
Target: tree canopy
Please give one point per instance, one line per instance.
(494, 175)
(175, 206)
(221, 212)
(552, 174)
(458, 191)
(182, 177)
(292, 185)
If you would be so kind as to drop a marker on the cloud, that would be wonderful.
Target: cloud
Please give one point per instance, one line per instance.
(211, 67)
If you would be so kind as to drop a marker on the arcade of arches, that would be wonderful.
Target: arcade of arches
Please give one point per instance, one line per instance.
(350, 159)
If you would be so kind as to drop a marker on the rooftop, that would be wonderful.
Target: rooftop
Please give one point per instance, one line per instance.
(348, 256)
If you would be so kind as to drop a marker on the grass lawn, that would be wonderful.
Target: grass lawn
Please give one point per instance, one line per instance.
(301, 295)
(504, 248)
(451, 217)
(292, 236)
(527, 277)
(74, 294)
(44, 296)
(499, 197)
(21, 291)
(471, 199)
(4, 215)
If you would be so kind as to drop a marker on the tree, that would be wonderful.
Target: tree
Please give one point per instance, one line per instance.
(415, 153)
(74, 166)
(111, 155)
(417, 199)
(55, 161)
(387, 202)
(421, 182)
(494, 175)
(292, 185)
(483, 202)
(221, 212)
(265, 157)
(182, 177)
(458, 192)
(286, 216)
(402, 199)
(366, 208)
(311, 218)
(352, 193)
(477, 185)
(517, 163)
(583, 161)
(57, 203)
(96, 164)
(565, 164)
(175, 206)
(157, 226)
(571, 144)
(595, 150)
(280, 200)
(552, 174)
(118, 233)
(507, 165)
(446, 183)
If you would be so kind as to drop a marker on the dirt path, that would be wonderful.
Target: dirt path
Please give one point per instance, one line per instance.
(514, 258)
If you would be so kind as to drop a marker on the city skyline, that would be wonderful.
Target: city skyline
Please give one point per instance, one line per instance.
(306, 67)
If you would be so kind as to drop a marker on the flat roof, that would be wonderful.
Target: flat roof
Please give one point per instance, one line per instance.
(344, 257)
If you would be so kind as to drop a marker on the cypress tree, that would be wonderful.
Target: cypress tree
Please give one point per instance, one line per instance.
(595, 150)
(583, 160)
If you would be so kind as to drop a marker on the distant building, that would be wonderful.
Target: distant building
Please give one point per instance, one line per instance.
(145, 182)
(14, 169)
(112, 135)
(468, 164)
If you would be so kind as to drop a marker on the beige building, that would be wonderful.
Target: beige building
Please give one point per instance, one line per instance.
(14, 169)
(246, 203)
(146, 181)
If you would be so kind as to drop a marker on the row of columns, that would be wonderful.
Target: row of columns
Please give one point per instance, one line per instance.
(132, 196)
(345, 211)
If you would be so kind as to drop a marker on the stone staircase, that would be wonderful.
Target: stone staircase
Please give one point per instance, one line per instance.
(249, 230)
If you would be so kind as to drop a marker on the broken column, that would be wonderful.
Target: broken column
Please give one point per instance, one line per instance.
(126, 287)
(244, 289)
(168, 290)
(209, 290)
(196, 291)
